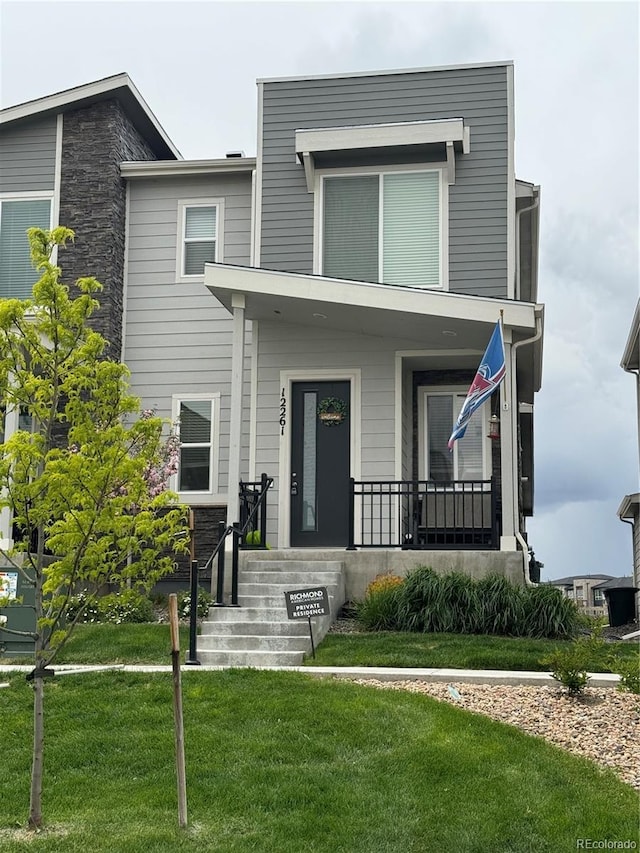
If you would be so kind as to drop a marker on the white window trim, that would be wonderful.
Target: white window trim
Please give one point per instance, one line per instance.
(318, 208)
(11, 425)
(447, 390)
(212, 493)
(34, 195)
(183, 204)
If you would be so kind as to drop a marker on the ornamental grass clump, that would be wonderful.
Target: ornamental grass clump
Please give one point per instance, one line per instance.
(548, 613)
(457, 603)
(379, 609)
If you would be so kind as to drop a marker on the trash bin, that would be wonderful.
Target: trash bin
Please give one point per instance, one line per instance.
(621, 604)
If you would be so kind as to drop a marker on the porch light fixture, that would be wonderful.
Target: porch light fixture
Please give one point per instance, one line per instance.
(494, 427)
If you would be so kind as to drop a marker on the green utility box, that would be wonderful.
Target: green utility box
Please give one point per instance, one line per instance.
(20, 612)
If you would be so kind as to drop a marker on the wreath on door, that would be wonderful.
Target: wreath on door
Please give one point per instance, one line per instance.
(332, 411)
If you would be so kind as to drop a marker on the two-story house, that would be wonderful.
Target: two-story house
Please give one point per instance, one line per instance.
(318, 311)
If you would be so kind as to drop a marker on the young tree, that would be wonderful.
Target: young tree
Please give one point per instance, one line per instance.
(86, 477)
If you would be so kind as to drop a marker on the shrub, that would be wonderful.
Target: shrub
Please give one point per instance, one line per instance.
(457, 603)
(184, 603)
(629, 671)
(419, 601)
(379, 609)
(548, 613)
(569, 666)
(501, 606)
(87, 605)
(128, 605)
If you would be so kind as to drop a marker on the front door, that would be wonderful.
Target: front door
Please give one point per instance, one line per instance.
(320, 463)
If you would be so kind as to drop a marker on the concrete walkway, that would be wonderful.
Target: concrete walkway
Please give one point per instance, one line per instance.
(379, 673)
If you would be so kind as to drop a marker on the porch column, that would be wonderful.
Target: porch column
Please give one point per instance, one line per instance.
(508, 439)
(235, 416)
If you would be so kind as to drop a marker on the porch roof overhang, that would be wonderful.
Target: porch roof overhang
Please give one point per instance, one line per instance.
(629, 507)
(422, 319)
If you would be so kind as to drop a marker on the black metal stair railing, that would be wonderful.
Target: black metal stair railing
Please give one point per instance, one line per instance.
(253, 500)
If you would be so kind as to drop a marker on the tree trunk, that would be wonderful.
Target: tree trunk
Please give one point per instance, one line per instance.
(37, 763)
(35, 803)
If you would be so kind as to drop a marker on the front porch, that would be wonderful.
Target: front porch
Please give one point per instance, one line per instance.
(360, 567)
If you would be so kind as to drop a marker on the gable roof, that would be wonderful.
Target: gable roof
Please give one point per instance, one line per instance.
(118, 86)
(568, 581)
(615, 583)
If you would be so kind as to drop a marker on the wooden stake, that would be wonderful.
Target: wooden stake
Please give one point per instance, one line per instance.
(177, 710)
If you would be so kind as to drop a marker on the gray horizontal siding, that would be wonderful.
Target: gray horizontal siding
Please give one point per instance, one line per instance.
(477, 201)
(284, 347)
(28, 156)
(178, 336)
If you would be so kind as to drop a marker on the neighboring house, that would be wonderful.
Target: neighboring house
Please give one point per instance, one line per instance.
(587, 591)
(317, 312)
(629, 509)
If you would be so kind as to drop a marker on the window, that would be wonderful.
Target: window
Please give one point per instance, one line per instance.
(196, 422)
(471, 456)
(384, 227)
(17, 275)
(10, 421)
(200, 238)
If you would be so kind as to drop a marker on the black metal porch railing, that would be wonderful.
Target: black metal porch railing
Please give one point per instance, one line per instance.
(423, 514)
(253, 505)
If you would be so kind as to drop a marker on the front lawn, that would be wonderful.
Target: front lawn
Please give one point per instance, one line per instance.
(456, 651)
(283, 762)
(151, 644)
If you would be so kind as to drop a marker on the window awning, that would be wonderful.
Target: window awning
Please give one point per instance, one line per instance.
(451, 132)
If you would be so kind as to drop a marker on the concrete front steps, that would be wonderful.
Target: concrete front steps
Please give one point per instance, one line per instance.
(258, 633)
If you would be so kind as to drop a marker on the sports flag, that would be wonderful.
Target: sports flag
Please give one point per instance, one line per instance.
(488, 377)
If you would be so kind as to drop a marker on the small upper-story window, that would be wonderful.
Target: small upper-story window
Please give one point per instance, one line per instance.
(17, 215)
(200, 239)
(384, 227)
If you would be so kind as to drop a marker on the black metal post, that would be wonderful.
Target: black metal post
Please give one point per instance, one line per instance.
(220, 579)
(192, 660)
(263, 510)
(234, 564)
(351, 546)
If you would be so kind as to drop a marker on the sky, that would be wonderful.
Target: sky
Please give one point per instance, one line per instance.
(577, 74)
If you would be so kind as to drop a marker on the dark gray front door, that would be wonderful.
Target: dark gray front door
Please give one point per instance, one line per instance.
(320, 463)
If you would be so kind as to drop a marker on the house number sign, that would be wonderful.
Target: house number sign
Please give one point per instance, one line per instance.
(283, 412)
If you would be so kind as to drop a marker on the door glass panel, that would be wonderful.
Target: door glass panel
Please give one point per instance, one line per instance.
(470, 447)
(439, 423)
(309, 444)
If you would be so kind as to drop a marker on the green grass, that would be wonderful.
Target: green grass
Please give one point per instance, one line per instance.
(99, 643)
(151, 644)
(282, 763)
(458, 651)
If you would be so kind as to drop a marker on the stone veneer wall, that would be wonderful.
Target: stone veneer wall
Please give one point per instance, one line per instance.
(96, 139)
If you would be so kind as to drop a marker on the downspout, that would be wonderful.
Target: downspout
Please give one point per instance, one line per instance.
(515, 446)
(519, 213)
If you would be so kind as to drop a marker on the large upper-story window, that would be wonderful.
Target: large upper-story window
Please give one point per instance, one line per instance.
(17, 275)
(385, 227)
(196, 421)
(471, 455)
(200, 236)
